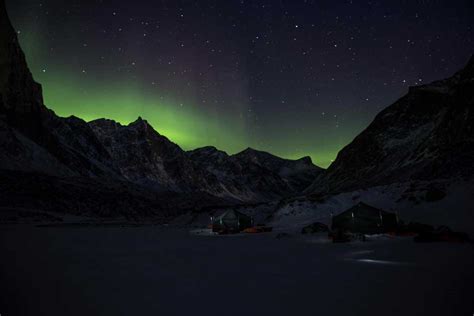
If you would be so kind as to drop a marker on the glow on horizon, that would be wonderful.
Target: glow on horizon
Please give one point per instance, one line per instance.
(184, 125)
(181, 121)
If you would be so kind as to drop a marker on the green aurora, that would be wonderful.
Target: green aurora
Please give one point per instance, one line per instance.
(294, 78)
(68, 93)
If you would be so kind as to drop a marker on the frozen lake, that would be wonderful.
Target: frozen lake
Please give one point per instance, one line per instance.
(161, 271)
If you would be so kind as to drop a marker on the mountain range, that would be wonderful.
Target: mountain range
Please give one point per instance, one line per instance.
(102, 159)
(104, 168)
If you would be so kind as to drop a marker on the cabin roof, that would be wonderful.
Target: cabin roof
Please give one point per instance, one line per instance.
(362, 208)
(231, 214)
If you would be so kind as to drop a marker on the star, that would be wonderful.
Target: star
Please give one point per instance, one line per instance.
(220, 57)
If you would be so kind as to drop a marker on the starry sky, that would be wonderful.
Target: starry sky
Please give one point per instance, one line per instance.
(292, 77)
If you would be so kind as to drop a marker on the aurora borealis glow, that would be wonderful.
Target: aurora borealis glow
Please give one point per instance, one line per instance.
(293, 78)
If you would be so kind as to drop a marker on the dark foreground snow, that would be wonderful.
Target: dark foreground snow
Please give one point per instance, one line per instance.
(156, 271)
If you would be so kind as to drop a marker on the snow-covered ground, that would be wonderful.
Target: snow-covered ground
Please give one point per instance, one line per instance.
(154, 270)
(455, 210)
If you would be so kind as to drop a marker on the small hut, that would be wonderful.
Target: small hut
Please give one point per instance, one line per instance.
(365, 219)
(231, 221)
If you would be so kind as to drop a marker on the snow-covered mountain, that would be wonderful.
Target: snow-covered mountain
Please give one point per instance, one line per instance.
(144, 156)
(105, 167)
(427, 134)
(256, 175)
(102, 167)
(298, 173)
(416, 158)
(58, 164)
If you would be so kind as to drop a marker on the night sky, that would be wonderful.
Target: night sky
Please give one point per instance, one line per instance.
(293, 78)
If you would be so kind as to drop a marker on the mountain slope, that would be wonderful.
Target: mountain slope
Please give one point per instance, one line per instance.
(256, 175)
(146, 157)
(49, 163)
(68, 144)
(35, 143)
(427, 134)
(298, 173)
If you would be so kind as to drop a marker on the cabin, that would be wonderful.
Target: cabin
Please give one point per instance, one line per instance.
(231, 221)
(365, 219)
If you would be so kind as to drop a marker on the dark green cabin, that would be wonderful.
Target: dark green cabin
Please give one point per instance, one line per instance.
(365, 219)
(231, 221)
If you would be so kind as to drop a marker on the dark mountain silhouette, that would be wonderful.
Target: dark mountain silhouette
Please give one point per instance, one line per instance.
(104, 168)
(427, 134)
(108, 169)
(33, 133)
(254, 175)
(145, 157)
(299, 173)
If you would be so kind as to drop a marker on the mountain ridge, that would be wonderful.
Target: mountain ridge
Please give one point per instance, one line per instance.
(426, 134)
(35, 139)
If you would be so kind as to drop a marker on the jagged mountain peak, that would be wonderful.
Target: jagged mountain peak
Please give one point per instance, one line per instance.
(73, 118)
(137, 131)
(207, 150)
(109, 125)
(255, 174)
(142, 125)
(267, 159)
(105, 121)
(139, 121)
(251, 151)
(108, 151)
(255, 155)
(306, 160)
(146, 157)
